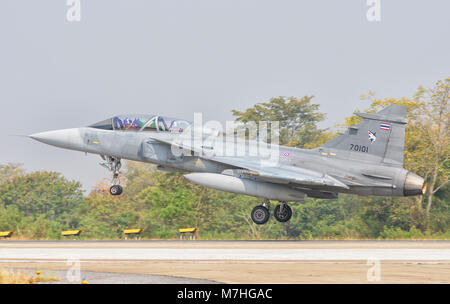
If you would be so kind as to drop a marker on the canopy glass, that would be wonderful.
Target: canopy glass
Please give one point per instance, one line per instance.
(142, 122)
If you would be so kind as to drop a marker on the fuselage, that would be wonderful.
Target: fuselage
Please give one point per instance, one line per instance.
(362, 176)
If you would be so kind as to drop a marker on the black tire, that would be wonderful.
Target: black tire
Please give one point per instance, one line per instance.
(120, 189)
(115, 190)
(260, 215)
(283, 216)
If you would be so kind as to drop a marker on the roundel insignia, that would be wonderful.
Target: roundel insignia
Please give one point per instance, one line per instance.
(285, 154)
(372, 137)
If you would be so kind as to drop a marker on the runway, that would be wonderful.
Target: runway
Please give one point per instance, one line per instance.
(243, 261)
(141, 254)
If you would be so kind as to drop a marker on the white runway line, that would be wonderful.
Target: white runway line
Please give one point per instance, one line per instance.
(222, 254)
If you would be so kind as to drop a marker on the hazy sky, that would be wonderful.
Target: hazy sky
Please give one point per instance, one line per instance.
(178, 57)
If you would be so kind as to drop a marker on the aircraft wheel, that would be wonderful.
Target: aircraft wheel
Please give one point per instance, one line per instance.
(116, 190)
(260, 215)
(283, 214)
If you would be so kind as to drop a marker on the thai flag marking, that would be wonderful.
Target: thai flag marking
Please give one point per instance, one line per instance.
(385, 126)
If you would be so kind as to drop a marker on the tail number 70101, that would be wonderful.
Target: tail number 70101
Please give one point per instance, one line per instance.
(359, 148)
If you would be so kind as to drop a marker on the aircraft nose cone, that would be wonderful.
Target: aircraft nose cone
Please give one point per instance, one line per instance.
(66, 138)
(42, 136)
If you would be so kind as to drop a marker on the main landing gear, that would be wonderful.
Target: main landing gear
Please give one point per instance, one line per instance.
(282, 212)
(113, 164)
(260, 214)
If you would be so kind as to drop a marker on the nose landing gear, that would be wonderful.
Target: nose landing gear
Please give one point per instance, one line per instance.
(116, 190)
(113, 164)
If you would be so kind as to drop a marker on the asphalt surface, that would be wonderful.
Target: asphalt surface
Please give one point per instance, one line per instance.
(233, 261)
(217, 251)
(94, 277)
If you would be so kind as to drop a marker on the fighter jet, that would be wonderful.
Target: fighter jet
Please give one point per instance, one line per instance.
(365, 160)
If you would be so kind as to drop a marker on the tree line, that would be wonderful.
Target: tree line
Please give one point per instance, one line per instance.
(39, 205)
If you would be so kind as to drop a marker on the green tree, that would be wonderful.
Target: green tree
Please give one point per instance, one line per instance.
(138, 176)
(435, 126)
(297, 118)
(9, 172)
(44, 193)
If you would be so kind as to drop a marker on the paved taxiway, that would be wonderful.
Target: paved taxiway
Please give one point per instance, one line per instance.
(243, 261)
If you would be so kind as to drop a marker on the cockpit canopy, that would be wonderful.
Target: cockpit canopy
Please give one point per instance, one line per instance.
(138, 122)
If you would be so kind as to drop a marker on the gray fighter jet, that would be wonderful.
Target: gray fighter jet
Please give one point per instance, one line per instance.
(365, 160)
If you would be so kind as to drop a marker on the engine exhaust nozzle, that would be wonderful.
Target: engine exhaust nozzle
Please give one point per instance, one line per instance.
(414, 185)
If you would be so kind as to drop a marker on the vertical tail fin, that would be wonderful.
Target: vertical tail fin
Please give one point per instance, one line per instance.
(379, 138)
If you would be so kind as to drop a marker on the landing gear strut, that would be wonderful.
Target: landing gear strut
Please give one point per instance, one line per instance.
(113, 164)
